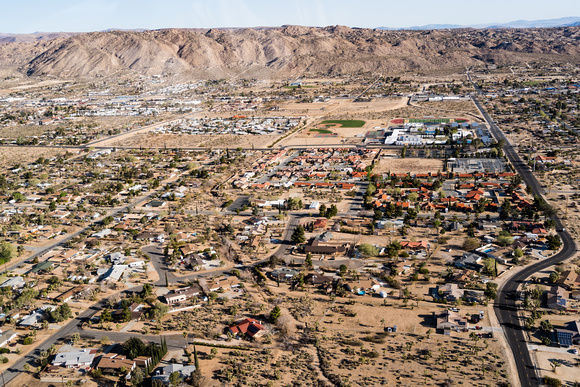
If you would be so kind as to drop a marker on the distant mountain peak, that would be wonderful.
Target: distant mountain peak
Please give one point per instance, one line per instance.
(570, 21)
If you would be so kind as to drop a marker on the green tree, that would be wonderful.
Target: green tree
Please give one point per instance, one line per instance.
(275, 314)
(134, 347)
(470, 244)
(554, 241)
(490, 291)
(298, 235)
(368, 249)
(308, 260)
(175, 378)
(518, 253)
(137, 377)
(554, 277)
(552, 382)
(7, 252)
(106, 316)
(322, 210)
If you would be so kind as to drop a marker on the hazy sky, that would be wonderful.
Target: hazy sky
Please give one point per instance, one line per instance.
(26, 16)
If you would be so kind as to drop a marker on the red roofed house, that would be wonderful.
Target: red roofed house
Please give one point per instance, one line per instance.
(320, 223)
(249, 327)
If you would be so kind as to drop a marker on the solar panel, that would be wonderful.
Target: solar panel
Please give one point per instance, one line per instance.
(565, 339)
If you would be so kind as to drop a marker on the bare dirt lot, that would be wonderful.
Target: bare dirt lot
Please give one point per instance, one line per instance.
(9, 156)
(150, 140)
(412, 165)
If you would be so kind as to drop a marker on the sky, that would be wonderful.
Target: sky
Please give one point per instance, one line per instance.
(28, 16)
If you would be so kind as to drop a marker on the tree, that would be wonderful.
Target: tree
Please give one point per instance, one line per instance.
(52, 206)
(275, 314)
(75, 338)
(518, 253)
(490, 267)
(546, 326)
(490, 291)
(555, 364)
(322, 210)
(158, 311)
(137, 377)
(470, 244)
(368, 249)
(554, 277)
(134, 347)
(552, 382)
(298, 235)
(504, 240)
(505, 210)
(343, 268)
(7, 251)
(175, 378)
(106, 316)
(126, 314)
(554, 241)
(308, 260)
(196, 360)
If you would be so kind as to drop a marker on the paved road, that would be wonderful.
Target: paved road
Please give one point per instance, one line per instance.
(505, 304)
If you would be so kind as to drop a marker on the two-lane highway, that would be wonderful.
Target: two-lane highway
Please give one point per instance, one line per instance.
(505, 304)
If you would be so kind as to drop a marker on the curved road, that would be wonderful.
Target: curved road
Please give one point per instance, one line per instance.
(505, 306)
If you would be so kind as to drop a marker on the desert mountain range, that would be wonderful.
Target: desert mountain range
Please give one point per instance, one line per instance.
(287, 51)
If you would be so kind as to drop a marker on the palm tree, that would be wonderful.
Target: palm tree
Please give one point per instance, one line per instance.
(383, 322)
(185, 338)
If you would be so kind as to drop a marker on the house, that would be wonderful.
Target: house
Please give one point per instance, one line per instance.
(136, 311)
(7, 337)
(112, 363)
(156, 204)
(470, 261)
(318, 279)
(180, 295)
(321, 244)
(70, 294)
(284, 274)
(75, 359)
(102, 234)
(557, 298)
(184, 372)
(151, 236)
(362, 286)
(116, 258)
(40, 268)
(32, 319)
(569, 279)
(448, 320)
(250, 327)
(320, 223)
(569, 335)
(224, 283)
(13, 283)
(422, 245)
(114, 273)
(450, 292)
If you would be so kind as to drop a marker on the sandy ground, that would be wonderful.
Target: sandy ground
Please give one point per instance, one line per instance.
(150, 140)
(10, 156)
(412, 165)
(458, 106)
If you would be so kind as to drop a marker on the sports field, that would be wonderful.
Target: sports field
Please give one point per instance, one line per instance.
(344, 123)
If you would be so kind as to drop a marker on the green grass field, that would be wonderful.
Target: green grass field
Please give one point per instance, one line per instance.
(345, 123)
(321, 131)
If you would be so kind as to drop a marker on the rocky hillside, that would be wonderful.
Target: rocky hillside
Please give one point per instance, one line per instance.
(287, 51)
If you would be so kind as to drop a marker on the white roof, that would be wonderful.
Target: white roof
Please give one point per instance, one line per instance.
(82, 356)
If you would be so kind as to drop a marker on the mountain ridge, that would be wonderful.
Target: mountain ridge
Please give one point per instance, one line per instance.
(286, 51)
